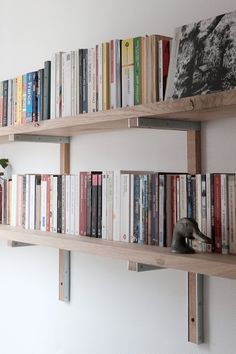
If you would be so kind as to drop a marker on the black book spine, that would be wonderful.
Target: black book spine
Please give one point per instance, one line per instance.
(35, 97)
(47, 90)
(94, 203)
(40, 94)
(85, 80)
(80, 80)
(99, 205)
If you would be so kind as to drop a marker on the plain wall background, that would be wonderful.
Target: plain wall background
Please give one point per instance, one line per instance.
(112, 311)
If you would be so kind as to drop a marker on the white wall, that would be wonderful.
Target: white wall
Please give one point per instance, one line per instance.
(112, 311)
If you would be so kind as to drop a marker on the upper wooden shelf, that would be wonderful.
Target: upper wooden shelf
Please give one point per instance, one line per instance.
(196, 108)
(209, 264)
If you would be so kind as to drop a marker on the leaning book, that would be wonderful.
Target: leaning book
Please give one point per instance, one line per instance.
(203, 57)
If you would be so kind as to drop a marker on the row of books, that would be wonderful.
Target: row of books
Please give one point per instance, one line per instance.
(128, 206)
(114, 74)
(143, 207)
(26, 98)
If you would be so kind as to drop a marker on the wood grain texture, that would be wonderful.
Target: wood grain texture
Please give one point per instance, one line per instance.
(64, 169)
(194, 167)
(209, 264)
(196, 108)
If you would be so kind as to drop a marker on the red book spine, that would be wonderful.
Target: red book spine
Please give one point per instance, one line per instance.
(217, 214)
(166, 60)
(83, 203)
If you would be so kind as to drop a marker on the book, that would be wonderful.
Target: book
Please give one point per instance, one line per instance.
(127, 72)
(198, 64)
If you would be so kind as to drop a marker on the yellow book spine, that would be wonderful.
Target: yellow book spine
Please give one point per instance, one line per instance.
(105, 77)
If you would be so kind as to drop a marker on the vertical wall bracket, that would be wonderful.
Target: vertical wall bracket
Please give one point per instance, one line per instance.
(64, 256)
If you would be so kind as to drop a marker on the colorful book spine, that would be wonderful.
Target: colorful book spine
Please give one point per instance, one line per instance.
(137, 71)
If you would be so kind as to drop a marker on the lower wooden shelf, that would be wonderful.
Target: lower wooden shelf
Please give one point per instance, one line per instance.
(209, 264)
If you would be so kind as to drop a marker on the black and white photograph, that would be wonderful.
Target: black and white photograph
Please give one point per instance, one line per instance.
(203, 57)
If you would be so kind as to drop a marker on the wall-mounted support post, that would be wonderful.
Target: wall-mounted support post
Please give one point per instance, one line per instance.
(64, 256)
(195, 281)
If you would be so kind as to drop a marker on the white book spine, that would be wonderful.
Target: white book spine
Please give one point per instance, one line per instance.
(224, 215)
(32, 203)
(125, 206)
(66, 84)
(116, 208)
(109, 202)
(77, 73)
(58, 78)
(68, 204)
(43, 204)
(54, 220)
(53, 87)
(94, 81)
(76, 198)
(90, 80)
(14, 201)
(100, 76)
(183, 195)
(73, 83)
(72, 205)
(19, 200)
(104, 205)
(27, 200)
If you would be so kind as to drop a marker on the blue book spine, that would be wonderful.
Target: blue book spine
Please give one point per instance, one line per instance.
(29, 97)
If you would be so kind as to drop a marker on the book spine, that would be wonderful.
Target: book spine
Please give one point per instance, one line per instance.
(217, 214)
(124, 206)
(94, 80)
(136, 211)
(161, 210)
(59, 204)
(83, 209)
(29, 98)
(94, 205)
(5, 102)
(116, 207)
(72, 204)
(104, 205)
(54, 211)
(40, 94)
(35, 97)
(58, 84)
(89, 205)
(14, 200)
(100, 77)
(224, 215)
(73, 83)
(105, 77)
(165, 60)
(232, 213)
(76, 197)
(90, 80)
(127, 72)
(109, 202)
(1, 103)
(47, 90)
(81, 74)
(137, 71)
(99, 206)
(68, 196)
(85, 80)
(9, 103)
(53, 88)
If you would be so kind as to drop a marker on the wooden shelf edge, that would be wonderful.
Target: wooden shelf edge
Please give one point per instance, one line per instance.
(208, 264)
(196, 108)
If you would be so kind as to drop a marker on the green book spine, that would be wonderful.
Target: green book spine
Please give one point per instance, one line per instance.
(137, 71)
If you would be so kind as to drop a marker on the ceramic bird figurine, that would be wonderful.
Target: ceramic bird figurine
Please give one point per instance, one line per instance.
(187, 229)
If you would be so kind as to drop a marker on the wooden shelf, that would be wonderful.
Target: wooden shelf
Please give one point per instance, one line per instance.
(196, 108)
(209, 264)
